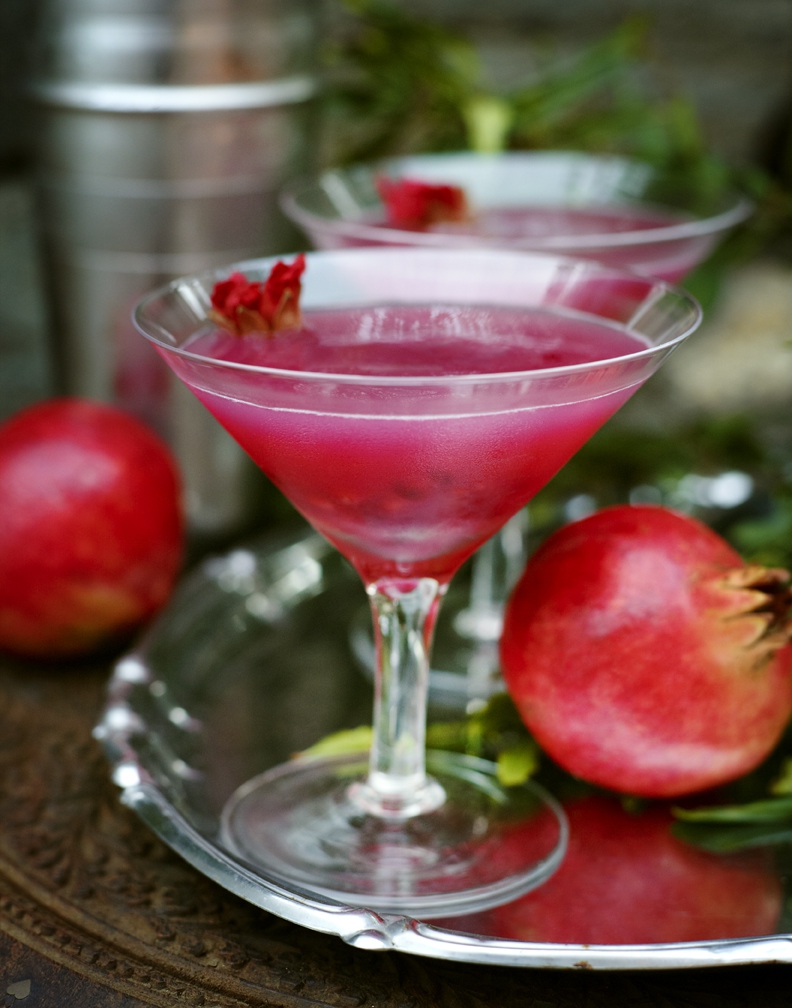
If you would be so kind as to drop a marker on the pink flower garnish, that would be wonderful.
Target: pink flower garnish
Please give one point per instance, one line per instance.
(417, 205)
(242, 306)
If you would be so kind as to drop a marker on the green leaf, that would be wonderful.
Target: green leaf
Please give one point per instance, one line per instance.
(782, 785)
(500, 715)
(353, 740)
(488, 120)
(704, 283)
(517, 764)
(450, 735)
(728, 839)
(495, 730)
(765, 810)
(767, 540)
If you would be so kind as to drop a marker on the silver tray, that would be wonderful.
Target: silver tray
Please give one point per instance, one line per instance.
(251, 663)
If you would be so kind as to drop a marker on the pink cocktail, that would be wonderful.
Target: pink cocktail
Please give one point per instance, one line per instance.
(428, 396)
(610, 209)
(405, 494)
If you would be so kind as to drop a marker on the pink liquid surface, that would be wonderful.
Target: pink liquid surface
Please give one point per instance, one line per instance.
(667, 260)
(547, 222)
(409, 481)
(526, 227)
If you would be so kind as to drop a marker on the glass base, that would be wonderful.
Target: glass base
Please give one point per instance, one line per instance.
(300, 823)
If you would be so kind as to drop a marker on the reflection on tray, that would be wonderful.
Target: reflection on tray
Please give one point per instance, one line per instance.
(627, 880)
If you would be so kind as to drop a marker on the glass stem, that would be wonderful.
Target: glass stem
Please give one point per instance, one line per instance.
(497, 565)
(404, 612)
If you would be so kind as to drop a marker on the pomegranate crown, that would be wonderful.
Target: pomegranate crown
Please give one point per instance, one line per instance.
(242, 306)
(415, 205)
(754, 601)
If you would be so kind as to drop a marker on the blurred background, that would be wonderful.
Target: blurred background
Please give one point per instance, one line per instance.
(703, 87)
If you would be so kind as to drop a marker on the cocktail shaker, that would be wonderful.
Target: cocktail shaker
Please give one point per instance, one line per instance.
(166, 129)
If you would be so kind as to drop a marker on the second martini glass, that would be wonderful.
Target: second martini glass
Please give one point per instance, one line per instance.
(407, 468)
(619, 212)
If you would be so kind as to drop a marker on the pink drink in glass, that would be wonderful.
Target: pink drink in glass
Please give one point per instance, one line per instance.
(619, 212)
(527, 227)
(429, 394)
(414, 493)
(649, 244)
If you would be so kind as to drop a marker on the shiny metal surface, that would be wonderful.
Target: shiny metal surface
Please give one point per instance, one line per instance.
(249, 665)
(174, 41)
(166, 128)
(175, 97)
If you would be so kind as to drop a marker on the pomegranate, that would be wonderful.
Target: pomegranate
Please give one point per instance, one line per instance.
(91, 532)
(626, 879)
(645, 656)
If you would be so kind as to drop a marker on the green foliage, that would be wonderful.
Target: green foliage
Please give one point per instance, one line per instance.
(601, 104)
(404, 83)
(342, 743)
(495, 732)
(767, 540)
(399, 83)
(764, 810)
(723, 829)
(782, 785)
(728, 839)
(488, 121)
(517, 764)
(618, 459)
(577, 106)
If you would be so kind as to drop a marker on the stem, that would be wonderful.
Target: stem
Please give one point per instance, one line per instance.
(404, 613)
(483, 590)
(513, 540)
(496, 567)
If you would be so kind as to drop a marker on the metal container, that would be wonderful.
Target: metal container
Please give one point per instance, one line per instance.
(166, 129)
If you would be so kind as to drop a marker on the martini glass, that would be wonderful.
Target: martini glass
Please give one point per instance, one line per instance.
(617, 211)
(614, 210)
(407, 469)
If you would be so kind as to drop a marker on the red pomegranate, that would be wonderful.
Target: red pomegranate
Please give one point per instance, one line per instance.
(626, 879)
(91, 531)
(645, 656)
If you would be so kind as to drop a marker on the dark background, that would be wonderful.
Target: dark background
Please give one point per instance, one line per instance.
(733, 57)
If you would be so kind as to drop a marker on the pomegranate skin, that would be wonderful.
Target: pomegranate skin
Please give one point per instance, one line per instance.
(627, 880)
(645, 656)
(91, 534)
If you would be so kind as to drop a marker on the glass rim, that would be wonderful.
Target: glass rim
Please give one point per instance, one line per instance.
(739, 208)
(660, 287)
(696, 228)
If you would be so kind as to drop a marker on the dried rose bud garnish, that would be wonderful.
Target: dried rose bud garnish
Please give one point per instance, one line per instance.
(242, 306)
(415, 205)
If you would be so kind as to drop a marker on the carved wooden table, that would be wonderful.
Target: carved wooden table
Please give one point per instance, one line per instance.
(96, 912)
